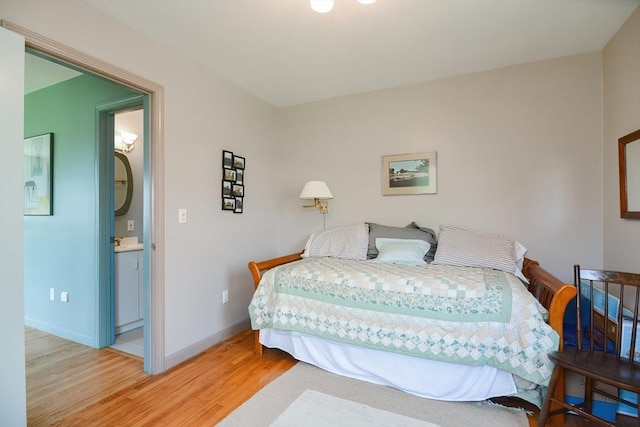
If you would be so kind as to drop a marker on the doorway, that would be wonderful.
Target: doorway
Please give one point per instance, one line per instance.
(70, 250)
(154, 309)
(128, 231)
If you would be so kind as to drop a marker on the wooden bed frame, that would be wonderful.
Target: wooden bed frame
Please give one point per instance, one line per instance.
(552, 293)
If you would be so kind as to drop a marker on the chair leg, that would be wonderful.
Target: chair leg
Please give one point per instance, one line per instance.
(559, 396)
(546, 405)
(588, 395)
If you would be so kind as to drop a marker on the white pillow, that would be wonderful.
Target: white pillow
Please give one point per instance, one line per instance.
(340, 242)
(401, 251)
(457, 246)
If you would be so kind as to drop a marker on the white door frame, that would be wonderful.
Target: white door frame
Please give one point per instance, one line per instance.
(154, 337)
(13, 395)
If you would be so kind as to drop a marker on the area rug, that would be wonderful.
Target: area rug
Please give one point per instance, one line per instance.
(313, 394)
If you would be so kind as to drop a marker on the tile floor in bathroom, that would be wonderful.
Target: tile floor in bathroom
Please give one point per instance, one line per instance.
(130, 342)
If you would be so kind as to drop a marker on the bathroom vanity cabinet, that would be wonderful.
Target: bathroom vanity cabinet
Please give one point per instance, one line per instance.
(128, 298)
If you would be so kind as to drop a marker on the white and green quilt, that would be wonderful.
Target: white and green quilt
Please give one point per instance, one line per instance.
(465, 315)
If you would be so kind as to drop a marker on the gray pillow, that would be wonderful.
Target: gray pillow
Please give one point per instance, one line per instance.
(411, 231)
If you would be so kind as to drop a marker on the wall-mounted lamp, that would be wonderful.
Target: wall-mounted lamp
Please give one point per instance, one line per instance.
(316, 191)
(126, 141)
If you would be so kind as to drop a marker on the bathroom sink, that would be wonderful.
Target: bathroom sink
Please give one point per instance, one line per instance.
(127, 244)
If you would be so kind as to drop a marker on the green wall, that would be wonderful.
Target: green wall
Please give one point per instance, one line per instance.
(61, 251)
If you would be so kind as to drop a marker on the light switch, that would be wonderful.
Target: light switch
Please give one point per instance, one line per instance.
(130, 225)
(182, 216)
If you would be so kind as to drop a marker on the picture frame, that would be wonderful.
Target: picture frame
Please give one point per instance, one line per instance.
(228, 203)
(238, 162)
(38, 175)
(237, 190)
(227, 159)
(238, 205)
(232, 189)
(229, 175)
(226, 188)
(409, 174)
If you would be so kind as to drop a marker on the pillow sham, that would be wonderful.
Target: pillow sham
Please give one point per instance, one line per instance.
(401, 251)
(458, 246)
(340, 242)
(411, 231)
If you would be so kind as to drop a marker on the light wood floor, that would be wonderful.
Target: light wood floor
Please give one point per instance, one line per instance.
(69, 384)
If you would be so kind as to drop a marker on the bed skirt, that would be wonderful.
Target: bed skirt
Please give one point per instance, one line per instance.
(421, 377)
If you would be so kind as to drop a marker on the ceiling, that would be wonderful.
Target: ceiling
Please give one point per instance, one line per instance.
(40, 73)
(286, 54)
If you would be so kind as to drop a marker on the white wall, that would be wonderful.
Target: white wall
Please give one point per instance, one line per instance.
(203, 115)
(621, 59)
(519, 153)
(13, 408)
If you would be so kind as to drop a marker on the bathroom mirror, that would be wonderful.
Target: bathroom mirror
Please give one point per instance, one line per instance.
(629, 165)
(123, 187)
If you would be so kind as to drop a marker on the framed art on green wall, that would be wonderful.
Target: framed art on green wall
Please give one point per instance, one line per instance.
(38, 175)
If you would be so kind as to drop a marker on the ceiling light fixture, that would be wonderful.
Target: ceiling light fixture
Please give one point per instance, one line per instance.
(321, 6)
(324, 6)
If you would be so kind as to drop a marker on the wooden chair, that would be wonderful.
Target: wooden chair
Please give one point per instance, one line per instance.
(598, 356)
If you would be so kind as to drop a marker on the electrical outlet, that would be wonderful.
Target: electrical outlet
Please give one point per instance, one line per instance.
(225, 296)
(64, 296)
(52, 294)
(130, 225)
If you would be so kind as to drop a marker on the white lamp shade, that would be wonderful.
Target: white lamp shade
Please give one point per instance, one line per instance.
(316, 190)
(128, 138)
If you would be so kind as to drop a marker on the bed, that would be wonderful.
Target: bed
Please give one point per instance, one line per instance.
(456, 327)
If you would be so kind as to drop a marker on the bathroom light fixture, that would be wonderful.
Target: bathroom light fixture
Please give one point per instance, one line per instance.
(324, 6)
(316, 191)
(126, 141)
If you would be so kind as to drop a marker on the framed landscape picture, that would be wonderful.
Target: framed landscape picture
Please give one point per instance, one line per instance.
(409, 174)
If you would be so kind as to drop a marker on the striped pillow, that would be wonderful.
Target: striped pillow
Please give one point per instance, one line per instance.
(340, 242)
(457, 246)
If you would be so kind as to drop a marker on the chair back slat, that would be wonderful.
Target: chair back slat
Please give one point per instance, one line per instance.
(633, 355)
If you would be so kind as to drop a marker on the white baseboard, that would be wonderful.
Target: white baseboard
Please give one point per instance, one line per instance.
(61, 332)
(129, 326)
(197, 348)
